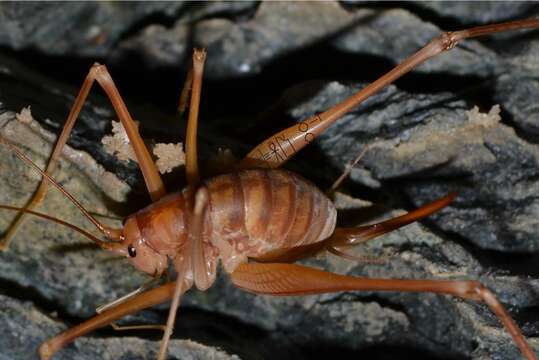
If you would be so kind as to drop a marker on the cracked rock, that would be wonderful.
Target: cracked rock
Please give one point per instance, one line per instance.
(440, 146)
(58, 266)
(425, 139)
(480, 12)
(25, 327)
(377, 32)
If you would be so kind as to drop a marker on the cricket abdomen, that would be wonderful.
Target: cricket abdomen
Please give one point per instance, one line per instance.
(253, 212)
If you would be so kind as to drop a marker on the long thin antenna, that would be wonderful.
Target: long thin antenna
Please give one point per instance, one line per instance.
(100, 243)
(113, 234)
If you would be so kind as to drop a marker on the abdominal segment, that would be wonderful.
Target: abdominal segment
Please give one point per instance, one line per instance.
(256, 211)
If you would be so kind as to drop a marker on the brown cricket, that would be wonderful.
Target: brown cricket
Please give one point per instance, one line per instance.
(255, 220)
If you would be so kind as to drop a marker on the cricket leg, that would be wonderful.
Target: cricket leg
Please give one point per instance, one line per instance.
(292, 279)
(280, 147)
(137, 303)
(153, 181)
(122, 300)
(191, 157)
(184, 95)
(347, 170)
(355, 236)
(361, 234)
(224, 161)
(117, 327)
(152, 178)
(193, 259)
(348, 237)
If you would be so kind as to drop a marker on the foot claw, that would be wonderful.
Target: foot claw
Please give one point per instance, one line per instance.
(4, 246)
(45, 352)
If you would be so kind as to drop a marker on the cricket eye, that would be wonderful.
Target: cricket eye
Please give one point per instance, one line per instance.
(131, 251)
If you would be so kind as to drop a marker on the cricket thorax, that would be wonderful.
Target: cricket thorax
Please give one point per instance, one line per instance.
(164, 224)
(161, 231)
(156, 232)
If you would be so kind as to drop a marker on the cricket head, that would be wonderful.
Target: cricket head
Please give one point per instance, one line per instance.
(124, 242)
(140, 254)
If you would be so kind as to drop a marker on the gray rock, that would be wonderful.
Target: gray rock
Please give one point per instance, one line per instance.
(434, 140)
(25, 327)
(246, 35)
(94, 29)
(276, 30)
(422, 145)
(397, 33)
(50, 265)
(517, 89)
(57, 265)
(479, 12)
(49, 27)
(159, 45)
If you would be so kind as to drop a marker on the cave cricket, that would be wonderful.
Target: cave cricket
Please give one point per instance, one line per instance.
(230, 218)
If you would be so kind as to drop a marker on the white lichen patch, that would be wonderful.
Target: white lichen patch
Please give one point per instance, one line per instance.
(26, 131)
(117, 144)
(493, 116)
(346, 202)
(168, 156)
(371, 317)
(25, 116)
(442, 141)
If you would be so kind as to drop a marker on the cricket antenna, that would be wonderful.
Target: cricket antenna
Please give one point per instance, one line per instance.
(113, 234)
(100, 243)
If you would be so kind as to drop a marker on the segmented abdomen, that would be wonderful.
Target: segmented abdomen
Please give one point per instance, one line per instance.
(257, 211)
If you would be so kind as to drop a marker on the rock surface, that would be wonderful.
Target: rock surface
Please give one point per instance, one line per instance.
(25, 327)
(425, 139)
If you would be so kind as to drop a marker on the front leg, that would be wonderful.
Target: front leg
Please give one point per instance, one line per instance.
(136, 303)
(191, 260)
